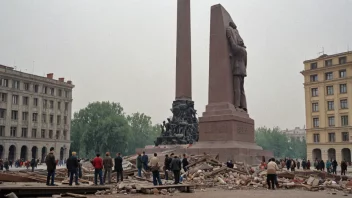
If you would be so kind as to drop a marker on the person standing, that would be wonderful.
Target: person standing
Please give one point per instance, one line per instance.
(304, 164)
(51, 167)
(98, 166)
(166, 166)
(293, 165)
(288, 164)
(154, 164)
(118, 167)
(33, 164)
(271, 173)
(328, 166)
(139, 165)
(308, 164)
(334, 166)
(176, 168)
(79, 168)
(145, 161)
(72, 166)
(343, 167)
(6, 165)
(322, 165)
(108, 164)
(184, 162)
(298, 164)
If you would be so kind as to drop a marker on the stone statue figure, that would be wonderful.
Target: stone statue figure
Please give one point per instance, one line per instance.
(238, 61)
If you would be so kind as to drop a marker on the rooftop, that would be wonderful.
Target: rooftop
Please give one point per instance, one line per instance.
(325, 56)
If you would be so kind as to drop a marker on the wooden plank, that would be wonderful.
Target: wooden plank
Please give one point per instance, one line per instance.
(169, 186)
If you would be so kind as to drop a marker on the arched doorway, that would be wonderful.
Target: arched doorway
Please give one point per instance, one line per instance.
(62, 153)
(24, 151)
(346, 154)
(12, 153)
(1, 152)
(331, 153)
(316, 154)
(35, 152)
(44, 152)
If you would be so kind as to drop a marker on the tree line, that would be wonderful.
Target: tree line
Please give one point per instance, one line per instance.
(104, 127)
(281, 145)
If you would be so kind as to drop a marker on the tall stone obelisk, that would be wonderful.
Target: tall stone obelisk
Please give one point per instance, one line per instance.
(182, 128)
(183, 51)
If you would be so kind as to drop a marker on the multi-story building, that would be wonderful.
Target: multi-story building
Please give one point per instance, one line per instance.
(297, 132)
(328, 101)
(35, 114)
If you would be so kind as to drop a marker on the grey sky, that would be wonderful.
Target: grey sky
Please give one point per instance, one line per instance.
(124, 50)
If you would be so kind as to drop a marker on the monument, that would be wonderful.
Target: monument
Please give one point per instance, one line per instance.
(182, 128)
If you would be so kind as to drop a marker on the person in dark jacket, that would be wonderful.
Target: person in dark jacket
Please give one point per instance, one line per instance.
(176, 168)
(343, 167)
(288, 164)
(334, 166)
(145, 161)
(51, 167)
(139, 164)
(118, 167)
(108, 164)
(298, 164)
(166, 167)
(72, 166)
(6, 165)
(184, 162)
(33, 164)
(229, 164)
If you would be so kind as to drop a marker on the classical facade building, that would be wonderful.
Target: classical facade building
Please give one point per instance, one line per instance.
(35, 114)
(328, 102)
(297, 132)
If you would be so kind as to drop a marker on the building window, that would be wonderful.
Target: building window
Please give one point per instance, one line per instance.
(44, 118)
(43, 133)
(13, 131)
(2, 131)
(342, 60)
(313, 65)
(4, 82)
(34, 133)
(35, 102)
(315, 107)
(52, 91)
(14, 115)
(51, 134)
(2, 113)
(329, 90)
(26, 86)
(15, 99)
(330, 105)
(35, 117)
(15, 84)
(3, 97)
(24, 132)
(45, 103)
(342, 73)
(36, 88)
(60, 92)
(58, 120)
(66, 103)
(65, 119)
(331, 121)
(328, 76)
(328, 62)
(51, 119)
(344, 120)
(45, 89)
(331, 137)
(314, 78)
(315, 122)
(316, 137)
(57, 135)
(343, 88)
(65, 135)
(67, 93)
(25, 100)
(343, 104)
(345, 136)
(51, 104)
(58, 105)
(24, 116)
(314, 92)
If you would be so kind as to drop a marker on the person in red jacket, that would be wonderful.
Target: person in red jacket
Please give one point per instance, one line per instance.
(98, 166)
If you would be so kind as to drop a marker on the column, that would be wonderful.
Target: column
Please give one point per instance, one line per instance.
(183, 51)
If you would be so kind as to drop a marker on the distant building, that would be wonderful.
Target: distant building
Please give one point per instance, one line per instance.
(35, 114)
(297, 132)
(328, 100)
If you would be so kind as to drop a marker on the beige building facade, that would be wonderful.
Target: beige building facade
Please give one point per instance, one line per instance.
(297, 133)
(35, 114)
(328, 104)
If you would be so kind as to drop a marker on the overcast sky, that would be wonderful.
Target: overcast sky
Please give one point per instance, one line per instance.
(124, 50)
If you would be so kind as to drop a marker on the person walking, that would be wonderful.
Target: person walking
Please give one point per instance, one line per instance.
(184, 162)
(108, 164)
(118, 167)
(271, 173)
(343, 167)
(51, 167)
(98, 166)
(154, 164)
(140, 165)
(72, 166)
(176, 168)
(145, 161)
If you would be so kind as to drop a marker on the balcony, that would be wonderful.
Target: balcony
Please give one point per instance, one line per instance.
(3, 105)
(25, 122)
(2, 121)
